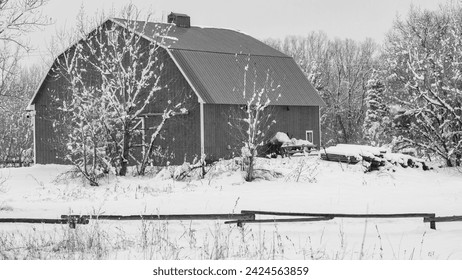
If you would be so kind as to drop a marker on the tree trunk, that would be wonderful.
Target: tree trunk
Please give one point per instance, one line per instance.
(125, 152)
(249, 176)
(146, 156)
(342, 127)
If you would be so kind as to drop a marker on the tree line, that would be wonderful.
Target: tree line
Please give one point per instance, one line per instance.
(405, 93)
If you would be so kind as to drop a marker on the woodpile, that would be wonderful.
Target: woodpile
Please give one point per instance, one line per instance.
(372, 158)
(339, 158)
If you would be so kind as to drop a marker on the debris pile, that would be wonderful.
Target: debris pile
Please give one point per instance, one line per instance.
(282, 145)
(372, 157)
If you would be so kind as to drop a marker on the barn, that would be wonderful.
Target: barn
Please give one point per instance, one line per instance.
(207, 65)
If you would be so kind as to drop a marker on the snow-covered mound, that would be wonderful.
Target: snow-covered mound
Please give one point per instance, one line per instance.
(280, 138)
(298, 142)
(378, 156)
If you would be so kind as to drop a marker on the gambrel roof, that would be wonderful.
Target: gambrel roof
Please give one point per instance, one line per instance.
(213, 62)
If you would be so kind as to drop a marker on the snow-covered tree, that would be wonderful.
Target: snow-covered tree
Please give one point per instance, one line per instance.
(250, 124)
(120, 72)
(17, 17)
(16, 139)
(377, 123)
(424, 64)
(86, 117)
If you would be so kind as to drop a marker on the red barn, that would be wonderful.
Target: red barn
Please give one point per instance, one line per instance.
(206, 64)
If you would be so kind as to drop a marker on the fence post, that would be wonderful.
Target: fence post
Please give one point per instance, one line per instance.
(71, 222)
(433, 222)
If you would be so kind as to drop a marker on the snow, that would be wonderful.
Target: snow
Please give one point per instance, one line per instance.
(167, 37)
(46, 191)
(354, 150)
(297, 142)
(221, 28)
(400, 158)
(280, 137)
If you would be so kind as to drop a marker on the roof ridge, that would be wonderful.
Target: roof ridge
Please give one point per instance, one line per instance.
(230, 53)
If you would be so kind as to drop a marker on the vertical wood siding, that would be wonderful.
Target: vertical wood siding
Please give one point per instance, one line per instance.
(180, 137)
(50, 144)
(294, 120)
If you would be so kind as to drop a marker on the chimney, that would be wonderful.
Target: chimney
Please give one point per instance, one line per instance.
(181, 20)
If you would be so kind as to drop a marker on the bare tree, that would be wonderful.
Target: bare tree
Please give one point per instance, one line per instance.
(16, 83)
(18, 17)
(122, 72)
(250, 124)
(339, 70)
(16, 138)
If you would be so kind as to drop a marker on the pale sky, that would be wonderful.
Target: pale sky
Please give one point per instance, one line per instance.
(356, 19)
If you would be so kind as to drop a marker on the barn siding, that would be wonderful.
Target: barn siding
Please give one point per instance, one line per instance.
(180, 136)
(50, 144)
(294, 120)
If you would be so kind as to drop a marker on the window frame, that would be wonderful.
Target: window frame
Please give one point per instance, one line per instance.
(309, 132)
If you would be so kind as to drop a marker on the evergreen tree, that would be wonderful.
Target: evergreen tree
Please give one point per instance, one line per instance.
(377, 120)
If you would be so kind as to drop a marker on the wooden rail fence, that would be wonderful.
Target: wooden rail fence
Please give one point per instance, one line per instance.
(245, 217)
(71, 221)
(442, 219)
(260, 221)
(242, 216)
(329, 216)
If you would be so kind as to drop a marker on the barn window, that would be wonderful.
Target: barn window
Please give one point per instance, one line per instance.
(309, 135)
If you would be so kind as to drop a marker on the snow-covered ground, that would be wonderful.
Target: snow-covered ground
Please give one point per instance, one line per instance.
(297, 184)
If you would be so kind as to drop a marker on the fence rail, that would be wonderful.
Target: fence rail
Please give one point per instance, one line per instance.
(342, 215)
(260, 221)
(443, 219)
(71, 221)
(245, 217)
(165, 217)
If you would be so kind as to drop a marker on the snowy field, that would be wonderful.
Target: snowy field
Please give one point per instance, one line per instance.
(297, 184)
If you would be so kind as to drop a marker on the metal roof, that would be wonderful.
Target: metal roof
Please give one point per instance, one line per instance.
(204, 39)
(213, 62)
(219, 78)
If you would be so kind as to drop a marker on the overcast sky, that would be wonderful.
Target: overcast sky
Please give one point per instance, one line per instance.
(356, 19)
